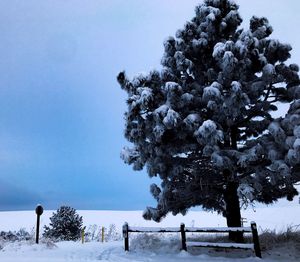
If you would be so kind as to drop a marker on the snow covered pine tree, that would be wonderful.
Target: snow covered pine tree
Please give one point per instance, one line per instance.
(203, 124)
(65, 224)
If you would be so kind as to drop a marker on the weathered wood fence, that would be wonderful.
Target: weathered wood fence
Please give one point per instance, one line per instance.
(255, 246)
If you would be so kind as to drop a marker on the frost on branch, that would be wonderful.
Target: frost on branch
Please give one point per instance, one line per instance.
(212, 92)
(158, 132)
(146, 96)
(192, 121)
(245, 193)
(171, 119)
(132, 156)
(208, 133)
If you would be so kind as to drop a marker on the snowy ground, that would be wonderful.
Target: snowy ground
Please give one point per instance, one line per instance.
(143, 248)
(114, 252)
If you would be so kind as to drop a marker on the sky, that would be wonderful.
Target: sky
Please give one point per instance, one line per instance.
(61, 109)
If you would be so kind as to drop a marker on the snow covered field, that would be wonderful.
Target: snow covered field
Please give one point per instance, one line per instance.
(275, 217)
(151, 248)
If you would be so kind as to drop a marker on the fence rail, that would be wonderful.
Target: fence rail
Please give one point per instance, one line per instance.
(153, 229)
(221, 245)
(185, 244)
(218, 229)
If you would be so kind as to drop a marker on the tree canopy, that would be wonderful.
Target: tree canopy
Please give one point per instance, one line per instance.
(204, 121)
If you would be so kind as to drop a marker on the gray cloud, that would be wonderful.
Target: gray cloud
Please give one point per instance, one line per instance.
(17, 198)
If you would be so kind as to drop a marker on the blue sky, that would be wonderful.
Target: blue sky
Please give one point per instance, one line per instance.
(61, 109)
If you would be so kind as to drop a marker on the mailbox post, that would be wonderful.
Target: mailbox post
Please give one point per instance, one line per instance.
(39, 211)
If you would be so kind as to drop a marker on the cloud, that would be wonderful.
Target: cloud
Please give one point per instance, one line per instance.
(16, 198)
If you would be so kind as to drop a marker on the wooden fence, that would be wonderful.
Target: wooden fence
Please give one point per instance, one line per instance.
(185, 244)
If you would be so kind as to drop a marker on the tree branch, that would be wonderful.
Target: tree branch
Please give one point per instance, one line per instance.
(268, 92)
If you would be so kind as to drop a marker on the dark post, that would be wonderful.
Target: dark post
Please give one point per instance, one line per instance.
(39, 211)
(126, 236)
(255, 239)
(183, 237)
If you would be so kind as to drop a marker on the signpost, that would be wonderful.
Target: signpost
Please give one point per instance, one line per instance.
(39, 211)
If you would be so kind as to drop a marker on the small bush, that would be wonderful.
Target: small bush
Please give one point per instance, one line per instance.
(8, 236)
(13, 236)
(155, 242)
(65, 224)
(270, 239)
(111, 234)
(94, 233)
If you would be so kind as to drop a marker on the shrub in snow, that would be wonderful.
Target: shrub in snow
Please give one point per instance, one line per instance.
(206, 127)
(270, 239)
(94, 233)
(112, 234)
(12, 236)
(65, 224)
(8, 236)
(156, 242)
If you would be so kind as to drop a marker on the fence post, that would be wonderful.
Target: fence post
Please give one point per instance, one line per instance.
(126, 236)
(255, 239)
(102, 234)
(82, 235)
(183, 237)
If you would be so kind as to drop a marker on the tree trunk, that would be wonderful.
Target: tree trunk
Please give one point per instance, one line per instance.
(233, 211)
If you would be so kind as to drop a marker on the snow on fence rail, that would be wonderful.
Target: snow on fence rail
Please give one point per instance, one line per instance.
(218, 229)
(153, 229)
(183, 230)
